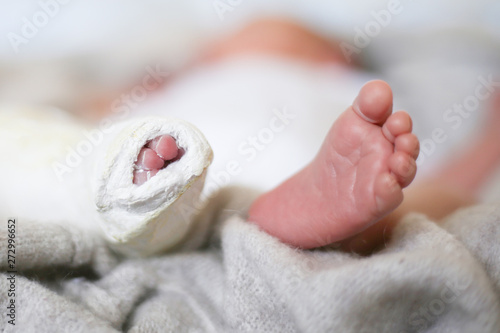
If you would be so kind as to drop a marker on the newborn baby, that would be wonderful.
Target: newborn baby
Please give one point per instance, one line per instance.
(356, 179)
(146, 176)
(350, 190)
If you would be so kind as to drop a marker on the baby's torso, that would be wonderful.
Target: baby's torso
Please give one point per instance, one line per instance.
(265, 118)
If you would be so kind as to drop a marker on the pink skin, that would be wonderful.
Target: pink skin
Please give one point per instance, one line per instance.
(484, 150)
(355, 180)
(154, 156)
(164, 146)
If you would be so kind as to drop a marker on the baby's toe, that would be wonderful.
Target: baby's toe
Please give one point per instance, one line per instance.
(397, 124)
(149, 160)
(142, 176)
(374, 102)
(408, 143)
(165, 146)
(404, 168)
(388, 194)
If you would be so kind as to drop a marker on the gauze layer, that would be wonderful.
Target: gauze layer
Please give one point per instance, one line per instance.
(148, 218)
(49, 180)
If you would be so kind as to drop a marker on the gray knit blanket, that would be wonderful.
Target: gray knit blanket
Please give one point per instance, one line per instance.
(429, 278)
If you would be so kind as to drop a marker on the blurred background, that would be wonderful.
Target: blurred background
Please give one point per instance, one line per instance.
(77, 55)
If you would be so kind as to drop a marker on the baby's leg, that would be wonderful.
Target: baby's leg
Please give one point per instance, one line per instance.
(355, 180)
(146, 179)
(470, 168)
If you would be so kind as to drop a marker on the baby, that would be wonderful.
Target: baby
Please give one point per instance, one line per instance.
(351, 192)
(355, 180)
(349, 195)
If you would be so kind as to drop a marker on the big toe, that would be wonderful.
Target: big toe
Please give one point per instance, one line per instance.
(154, 156)
(374, 102)
(165, 146)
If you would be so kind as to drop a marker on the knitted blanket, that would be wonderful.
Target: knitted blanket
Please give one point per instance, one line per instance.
(428, 278)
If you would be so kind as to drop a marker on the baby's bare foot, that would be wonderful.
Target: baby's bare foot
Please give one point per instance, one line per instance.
(356, 179)
(154, 156)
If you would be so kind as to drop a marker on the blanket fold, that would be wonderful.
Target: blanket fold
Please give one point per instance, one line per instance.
(429, 278)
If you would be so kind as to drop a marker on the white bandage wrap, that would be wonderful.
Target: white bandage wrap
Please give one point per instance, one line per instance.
(146, 219)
